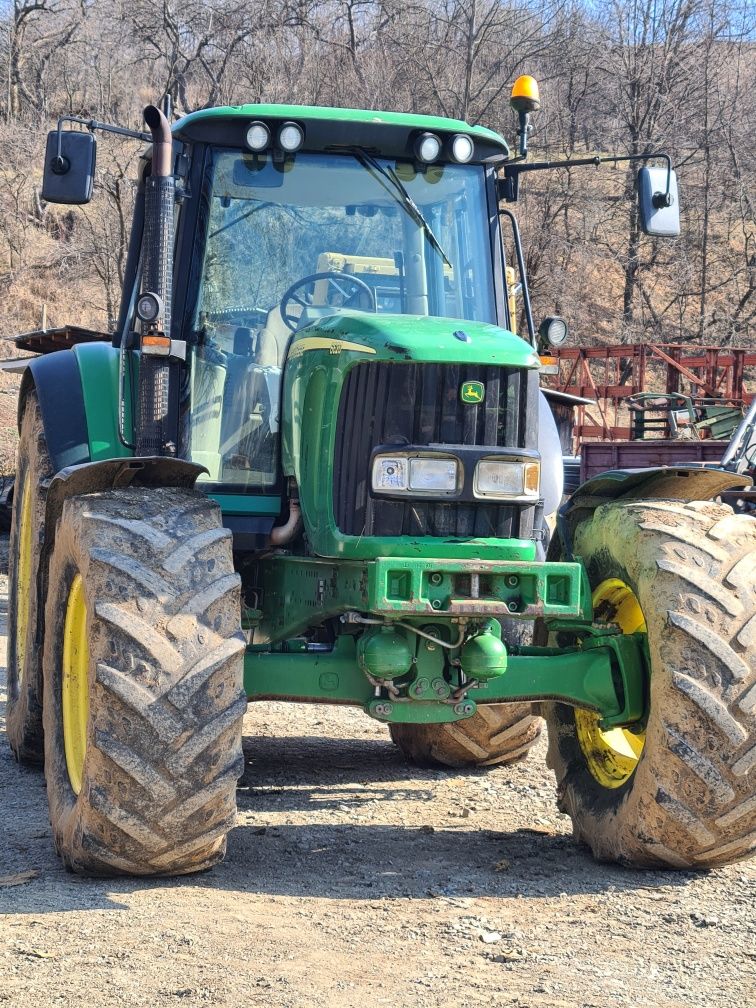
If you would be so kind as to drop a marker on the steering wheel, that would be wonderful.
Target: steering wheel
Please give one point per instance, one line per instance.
(336, 280)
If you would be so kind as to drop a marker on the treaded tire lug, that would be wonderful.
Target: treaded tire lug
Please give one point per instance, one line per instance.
(496, 733)
(165, 683)
(24, 709)
(691, 802)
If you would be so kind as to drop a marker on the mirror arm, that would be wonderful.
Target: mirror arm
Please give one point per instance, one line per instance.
(92, 125)
(523, 275)
(512, 172)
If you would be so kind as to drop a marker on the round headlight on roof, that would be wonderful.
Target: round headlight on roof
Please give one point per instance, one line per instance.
(462, 148)
(427, 147)
(258, 136)
(290, 137)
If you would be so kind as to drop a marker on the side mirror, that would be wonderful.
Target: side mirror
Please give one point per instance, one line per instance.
(659, 210)
(70, 158)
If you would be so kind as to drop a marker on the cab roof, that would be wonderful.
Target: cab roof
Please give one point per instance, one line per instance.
(333, 127)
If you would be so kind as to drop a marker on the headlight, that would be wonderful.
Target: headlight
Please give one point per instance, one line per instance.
(462, 148)
(258, 136)
(290, 137)
(433, 474)
(427, 147)
(408, 475)
(390, 473)
(507, 480)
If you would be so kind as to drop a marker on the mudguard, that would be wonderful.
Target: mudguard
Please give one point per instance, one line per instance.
(680, 483)
(57, 381)
(77, 392)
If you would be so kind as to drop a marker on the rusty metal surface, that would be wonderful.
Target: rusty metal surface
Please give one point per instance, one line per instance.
(602, 456)
(610, 374)
(43, 341)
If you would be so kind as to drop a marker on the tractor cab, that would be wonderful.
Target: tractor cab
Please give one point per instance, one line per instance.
(290, 229)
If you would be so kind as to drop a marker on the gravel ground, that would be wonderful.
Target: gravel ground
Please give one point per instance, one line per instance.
(355, 880)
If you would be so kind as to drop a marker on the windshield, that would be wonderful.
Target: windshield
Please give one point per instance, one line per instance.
(271, 225)
(286, 242)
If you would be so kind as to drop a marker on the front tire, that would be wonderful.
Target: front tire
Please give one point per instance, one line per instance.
(679, 790)
(143, 700)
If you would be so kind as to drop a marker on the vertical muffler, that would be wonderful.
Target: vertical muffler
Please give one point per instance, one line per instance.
(152, 434)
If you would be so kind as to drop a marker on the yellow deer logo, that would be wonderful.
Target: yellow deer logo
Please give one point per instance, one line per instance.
(472, 392)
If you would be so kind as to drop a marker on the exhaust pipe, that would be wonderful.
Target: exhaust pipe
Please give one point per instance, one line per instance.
(282, 534)
(162, 142)
(152, 420)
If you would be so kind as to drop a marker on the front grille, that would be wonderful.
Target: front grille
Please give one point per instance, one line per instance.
(419, 404)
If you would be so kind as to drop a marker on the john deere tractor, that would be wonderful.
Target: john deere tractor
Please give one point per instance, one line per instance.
(314, 464)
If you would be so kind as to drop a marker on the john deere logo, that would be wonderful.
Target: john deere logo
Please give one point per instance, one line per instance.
(472, 392)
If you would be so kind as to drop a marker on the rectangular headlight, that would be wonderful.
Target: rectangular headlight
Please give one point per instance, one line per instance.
(412, 474)
(389, 473)
(432, 474)
(507, 479)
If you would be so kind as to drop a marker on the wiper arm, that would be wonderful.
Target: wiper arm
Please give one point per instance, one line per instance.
(399, 192)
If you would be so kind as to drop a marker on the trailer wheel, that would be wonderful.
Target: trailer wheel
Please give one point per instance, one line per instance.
(25, 616)
(679, 789)
(496, 733)
(143, 700)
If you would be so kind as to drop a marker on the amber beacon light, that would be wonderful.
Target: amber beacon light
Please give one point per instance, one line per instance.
(525, 96)
(525, 99)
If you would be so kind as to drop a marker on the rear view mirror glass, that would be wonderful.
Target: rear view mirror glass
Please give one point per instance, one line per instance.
(69, 167)
(659, 212)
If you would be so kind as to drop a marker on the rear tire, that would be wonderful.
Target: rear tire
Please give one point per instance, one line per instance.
(690, 801)
(496, 733)
(25, 615)
(158, 716)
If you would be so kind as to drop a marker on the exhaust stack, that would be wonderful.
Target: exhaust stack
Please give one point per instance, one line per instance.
(152, 420)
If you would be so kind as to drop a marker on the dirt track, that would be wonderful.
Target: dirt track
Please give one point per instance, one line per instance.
(354, 880)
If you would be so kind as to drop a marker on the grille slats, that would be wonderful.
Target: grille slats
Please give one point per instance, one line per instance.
(408, 403)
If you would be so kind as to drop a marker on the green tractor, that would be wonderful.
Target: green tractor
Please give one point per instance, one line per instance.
(314, 464)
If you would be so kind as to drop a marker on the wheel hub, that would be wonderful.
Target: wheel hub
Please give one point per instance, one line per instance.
(612, 755)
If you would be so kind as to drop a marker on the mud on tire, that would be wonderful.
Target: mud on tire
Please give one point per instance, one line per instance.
(691, 801)
(24, 709)
(163, 731)
(496, 733)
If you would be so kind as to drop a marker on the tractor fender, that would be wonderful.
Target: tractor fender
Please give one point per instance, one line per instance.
(57, 381)
(77, 391)
(680, 483)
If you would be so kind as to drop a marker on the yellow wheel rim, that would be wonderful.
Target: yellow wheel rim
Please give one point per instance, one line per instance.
(613, 755)
(23, 577)
(75, 683)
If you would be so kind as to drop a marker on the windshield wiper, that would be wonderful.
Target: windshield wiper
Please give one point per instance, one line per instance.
(398, 190)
